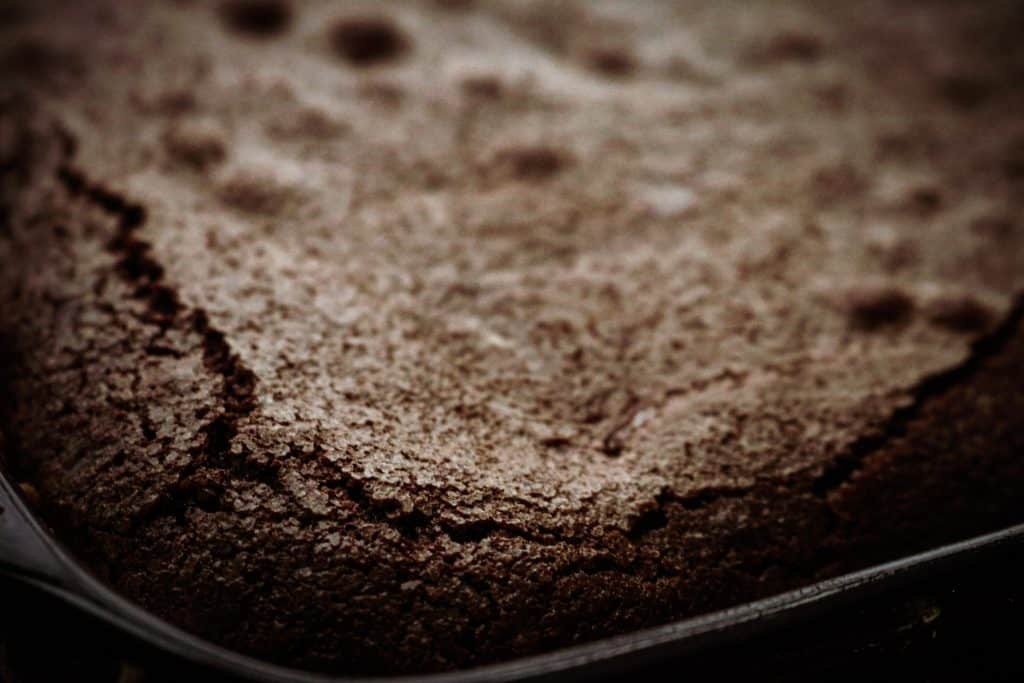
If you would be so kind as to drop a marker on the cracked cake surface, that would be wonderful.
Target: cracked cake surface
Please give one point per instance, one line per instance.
(409, 336)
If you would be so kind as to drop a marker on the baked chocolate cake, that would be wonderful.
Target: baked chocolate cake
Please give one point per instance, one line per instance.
(410, 336)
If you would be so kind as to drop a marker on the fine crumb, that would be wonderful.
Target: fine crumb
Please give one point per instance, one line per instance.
(395, 338)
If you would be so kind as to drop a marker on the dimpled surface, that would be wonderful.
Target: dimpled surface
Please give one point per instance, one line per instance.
(410, 336)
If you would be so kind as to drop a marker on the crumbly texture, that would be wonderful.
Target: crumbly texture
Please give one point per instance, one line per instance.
(411, 336)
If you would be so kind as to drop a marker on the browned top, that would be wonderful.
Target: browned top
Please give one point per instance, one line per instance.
(412, 335)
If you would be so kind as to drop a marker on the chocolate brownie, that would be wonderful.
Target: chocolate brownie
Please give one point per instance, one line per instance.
(411, 336)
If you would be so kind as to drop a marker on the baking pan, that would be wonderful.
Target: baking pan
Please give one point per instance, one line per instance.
(31, 558)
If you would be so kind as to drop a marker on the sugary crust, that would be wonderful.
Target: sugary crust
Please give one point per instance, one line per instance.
(421, 335)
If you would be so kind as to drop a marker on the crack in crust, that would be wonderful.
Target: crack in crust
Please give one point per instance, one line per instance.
(844, 467)
(138, 268)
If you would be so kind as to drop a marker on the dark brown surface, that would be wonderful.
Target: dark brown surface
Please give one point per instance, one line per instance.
(462, 341)
(951, 623)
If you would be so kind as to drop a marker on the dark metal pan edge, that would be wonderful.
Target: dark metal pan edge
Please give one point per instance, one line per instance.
(30, 554)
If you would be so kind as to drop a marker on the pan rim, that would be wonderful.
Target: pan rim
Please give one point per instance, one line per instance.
(52, 569)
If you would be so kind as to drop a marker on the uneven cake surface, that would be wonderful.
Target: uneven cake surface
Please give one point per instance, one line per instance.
(410, 336)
